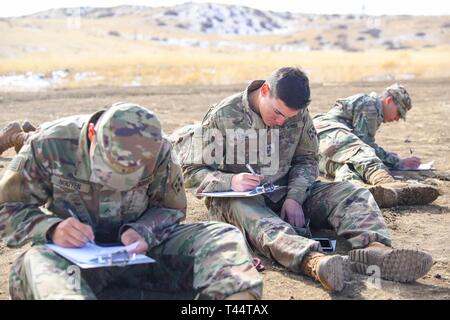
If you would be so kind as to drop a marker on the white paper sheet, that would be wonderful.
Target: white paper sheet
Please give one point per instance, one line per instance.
(237, 194)
(422, 167)
(85, 256)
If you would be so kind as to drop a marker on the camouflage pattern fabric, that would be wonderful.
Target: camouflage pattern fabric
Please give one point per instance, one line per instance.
(52, 175)
(208, 258)
(128, 139)
(347, 138)
(297, 156)
(350, 210)
(401, 98)
(345, 157)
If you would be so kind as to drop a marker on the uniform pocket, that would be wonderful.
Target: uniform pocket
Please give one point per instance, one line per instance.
(135, 202)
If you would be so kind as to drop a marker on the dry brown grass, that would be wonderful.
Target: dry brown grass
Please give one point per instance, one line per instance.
(120, 60)
(199, 66)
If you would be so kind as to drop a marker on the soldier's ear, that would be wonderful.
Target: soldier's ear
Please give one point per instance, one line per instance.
(91, 131)
(265, 89)
(389, 99)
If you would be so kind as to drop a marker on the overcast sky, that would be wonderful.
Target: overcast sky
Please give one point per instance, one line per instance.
(373, 7)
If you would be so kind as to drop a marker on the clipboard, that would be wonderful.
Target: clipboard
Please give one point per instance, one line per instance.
(421, 167)
(265, 188)
(94, 256)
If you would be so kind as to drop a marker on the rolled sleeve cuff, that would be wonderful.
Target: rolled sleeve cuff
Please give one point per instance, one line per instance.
(216, 182)
(42, 228)
(297, 195)
(141, 229)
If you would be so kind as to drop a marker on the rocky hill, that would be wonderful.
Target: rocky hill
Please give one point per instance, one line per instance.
(197, 17)
(87, 30)
(315, 32)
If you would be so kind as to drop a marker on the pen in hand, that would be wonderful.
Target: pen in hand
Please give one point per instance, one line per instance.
(76, 217)
(249, 167)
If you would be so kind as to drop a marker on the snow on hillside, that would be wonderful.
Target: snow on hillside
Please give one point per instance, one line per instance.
(225, 19)
(89, 12)
(196, 17)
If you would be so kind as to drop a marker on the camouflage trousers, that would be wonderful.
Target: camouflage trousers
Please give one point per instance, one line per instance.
(349, 210)
(210, 259)
(344, 156)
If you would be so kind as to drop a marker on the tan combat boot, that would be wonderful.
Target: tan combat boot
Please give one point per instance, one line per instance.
(328, 270)
(384, 197)
(390, 193)
(9, 135)
(401, 265)
(27, 126)
(393, 194)
(380, 176)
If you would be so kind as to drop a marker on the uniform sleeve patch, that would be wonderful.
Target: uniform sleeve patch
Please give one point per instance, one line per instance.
(177, 184)
(312, 132)
(17, 163)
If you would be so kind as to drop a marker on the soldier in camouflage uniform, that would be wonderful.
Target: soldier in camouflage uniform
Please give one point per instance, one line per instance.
(347, 148)
(268, 221)
(116, 172)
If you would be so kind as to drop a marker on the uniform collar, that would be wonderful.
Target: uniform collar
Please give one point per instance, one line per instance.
(379, 104)
(252, 115)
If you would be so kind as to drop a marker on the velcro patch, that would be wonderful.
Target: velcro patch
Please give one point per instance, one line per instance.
(17, 163)
(71, 184)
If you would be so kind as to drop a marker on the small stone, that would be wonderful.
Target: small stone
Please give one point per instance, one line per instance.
(438, 276)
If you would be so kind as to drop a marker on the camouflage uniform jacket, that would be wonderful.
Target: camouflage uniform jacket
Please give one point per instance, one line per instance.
(298, 149)
(362, 115)
(51, 175)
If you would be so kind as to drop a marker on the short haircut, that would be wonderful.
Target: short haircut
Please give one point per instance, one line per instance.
(290, 85)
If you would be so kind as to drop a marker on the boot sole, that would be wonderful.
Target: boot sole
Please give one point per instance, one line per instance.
(387, 197)
(417, 195)
(10, 129)
(331, 273)
(384, 197)
(400, 265)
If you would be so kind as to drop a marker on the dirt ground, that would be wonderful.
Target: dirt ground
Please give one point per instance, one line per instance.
(426, 132)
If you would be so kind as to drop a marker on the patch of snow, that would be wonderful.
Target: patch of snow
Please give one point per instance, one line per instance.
(379, 77)
(87, 76)
(34, 49)
(405, 76)
(89, 12)
(137, 82)
(223, 44)
(32, 81)
(225, 19)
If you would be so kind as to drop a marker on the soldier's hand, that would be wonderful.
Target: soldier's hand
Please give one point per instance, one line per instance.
(245, 181)
(292, 212)
(130, 236)
(411, 162)
(71, 233)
